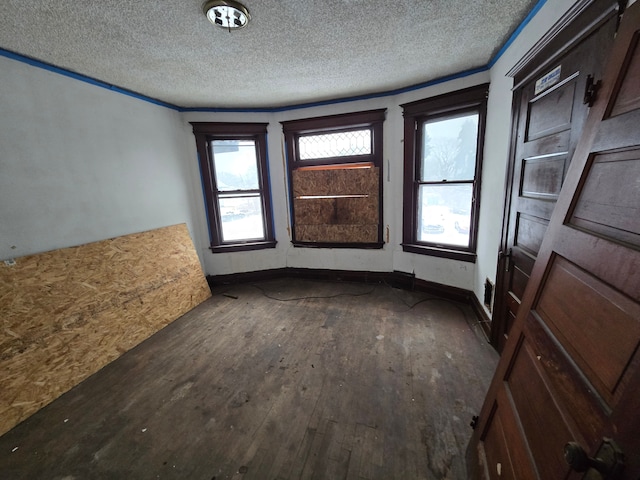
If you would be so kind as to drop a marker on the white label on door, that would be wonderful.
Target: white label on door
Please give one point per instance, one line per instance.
(547, 80)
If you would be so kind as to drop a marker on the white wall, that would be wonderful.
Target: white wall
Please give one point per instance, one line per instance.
(79, 163)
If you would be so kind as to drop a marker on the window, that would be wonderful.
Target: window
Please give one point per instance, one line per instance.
(234, 169)
(334, 166)
(443, 139)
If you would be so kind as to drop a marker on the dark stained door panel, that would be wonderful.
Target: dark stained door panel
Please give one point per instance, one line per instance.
(548, 124)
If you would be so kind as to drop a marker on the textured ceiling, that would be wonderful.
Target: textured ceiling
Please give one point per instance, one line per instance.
(292, 51)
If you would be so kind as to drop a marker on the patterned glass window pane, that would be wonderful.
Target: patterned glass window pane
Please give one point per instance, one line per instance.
(339, 144)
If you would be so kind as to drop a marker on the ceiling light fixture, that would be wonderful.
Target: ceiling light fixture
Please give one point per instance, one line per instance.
(227, 14)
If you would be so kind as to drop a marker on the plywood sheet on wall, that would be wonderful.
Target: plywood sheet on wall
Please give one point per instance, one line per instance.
(67, 313)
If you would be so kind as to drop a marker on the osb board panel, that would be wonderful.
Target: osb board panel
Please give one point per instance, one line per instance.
(337, 233)
(67, 313)
(347, 181)
(335, 211)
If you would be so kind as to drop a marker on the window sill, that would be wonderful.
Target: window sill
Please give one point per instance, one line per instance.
(374, 245)
(243, 247)
(439, 252)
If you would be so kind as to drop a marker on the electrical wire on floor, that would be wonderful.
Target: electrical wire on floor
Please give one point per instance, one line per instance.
(410, 306)
(369, 292)
(473, 321)
(312, 297)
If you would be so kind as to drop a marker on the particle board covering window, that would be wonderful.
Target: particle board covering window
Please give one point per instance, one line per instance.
(334, 167)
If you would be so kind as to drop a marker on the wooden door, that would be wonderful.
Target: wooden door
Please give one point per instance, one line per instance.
(570, 371)
(549, 122)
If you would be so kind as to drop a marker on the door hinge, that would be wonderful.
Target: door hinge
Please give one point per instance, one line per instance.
(591, 90)
(506, 257)
(622, 6)
(474, 422)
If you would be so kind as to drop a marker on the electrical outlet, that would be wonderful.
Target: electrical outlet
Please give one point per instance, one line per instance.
(488, 294)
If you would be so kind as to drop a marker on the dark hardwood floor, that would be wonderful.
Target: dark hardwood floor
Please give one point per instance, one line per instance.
(344, 380)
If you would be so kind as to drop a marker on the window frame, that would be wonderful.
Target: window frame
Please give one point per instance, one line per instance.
(294, 129)
(205, 132)
(469, 100)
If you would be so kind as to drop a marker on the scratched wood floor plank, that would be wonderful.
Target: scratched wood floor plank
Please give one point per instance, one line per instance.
(281, 380)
